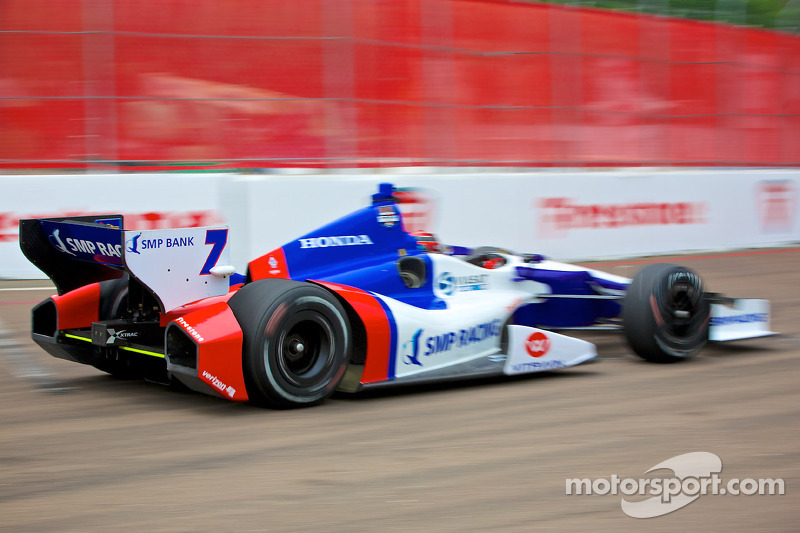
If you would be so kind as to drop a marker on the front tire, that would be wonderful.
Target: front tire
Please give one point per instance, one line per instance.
(296, 341)
(665, 314)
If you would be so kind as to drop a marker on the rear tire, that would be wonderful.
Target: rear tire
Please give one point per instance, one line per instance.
(296, 341)
(665, 313)
(113, 306)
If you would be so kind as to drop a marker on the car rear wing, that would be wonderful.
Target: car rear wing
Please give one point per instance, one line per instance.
(178, 266)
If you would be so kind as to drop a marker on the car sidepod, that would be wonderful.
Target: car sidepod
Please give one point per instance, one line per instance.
(204, 351)
(535, 350)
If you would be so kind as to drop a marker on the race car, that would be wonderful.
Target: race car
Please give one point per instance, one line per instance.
(356, 304)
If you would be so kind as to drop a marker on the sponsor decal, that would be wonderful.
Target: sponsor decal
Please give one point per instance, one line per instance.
(448, 284)
(534, 366)
(739, 319)
(88, 243)
(387, 215)
(189, 329)
(93, 247)
(114, 223)
(537, 344)
(113, 335)
(273, 266)
(218, 384)
(132, 244)
(416, 350)
(559, 215)
(90, 247)
(776, 203)
(334, 241)
(218, 238)
(138, 244)
(462, 338)
(59, 245)
(412, 358)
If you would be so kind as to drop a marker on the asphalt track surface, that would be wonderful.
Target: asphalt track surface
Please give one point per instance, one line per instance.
(81, 451)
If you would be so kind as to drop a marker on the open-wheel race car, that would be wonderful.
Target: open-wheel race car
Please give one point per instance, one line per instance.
(355, 304)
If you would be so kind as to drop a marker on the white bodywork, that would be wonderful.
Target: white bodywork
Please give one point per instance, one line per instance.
(474, 304)
(171, 263)
(466, 326)
(744, 319)
(535, 350)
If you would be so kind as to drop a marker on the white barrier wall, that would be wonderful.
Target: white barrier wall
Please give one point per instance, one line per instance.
(148, 201)
(564, 215)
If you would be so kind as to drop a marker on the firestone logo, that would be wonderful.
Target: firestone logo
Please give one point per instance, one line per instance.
(777, 205)
(189, 329)
(558, 215)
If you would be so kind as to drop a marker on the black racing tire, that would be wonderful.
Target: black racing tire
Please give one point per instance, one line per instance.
(296, 344)
(665, 313)
(114, 298)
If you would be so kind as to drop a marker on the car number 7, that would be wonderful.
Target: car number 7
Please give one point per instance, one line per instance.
(219, 238)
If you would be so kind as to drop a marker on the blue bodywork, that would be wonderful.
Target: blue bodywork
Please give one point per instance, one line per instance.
(568, 312)
(363, 250)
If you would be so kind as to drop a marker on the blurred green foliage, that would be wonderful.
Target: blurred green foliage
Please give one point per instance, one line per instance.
(771, 14)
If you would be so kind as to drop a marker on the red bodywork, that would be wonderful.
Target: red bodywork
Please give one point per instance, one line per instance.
(214, 330)
(218, 337)
(78, 308)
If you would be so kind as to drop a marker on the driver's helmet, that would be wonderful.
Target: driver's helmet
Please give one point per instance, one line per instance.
(427, 241)
(493, 261)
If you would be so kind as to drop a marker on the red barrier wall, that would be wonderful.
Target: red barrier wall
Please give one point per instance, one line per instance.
(143, 84)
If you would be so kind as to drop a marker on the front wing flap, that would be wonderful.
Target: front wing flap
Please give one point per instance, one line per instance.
(739, 318)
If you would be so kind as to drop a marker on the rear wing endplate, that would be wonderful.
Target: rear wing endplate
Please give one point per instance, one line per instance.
(178, 266)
